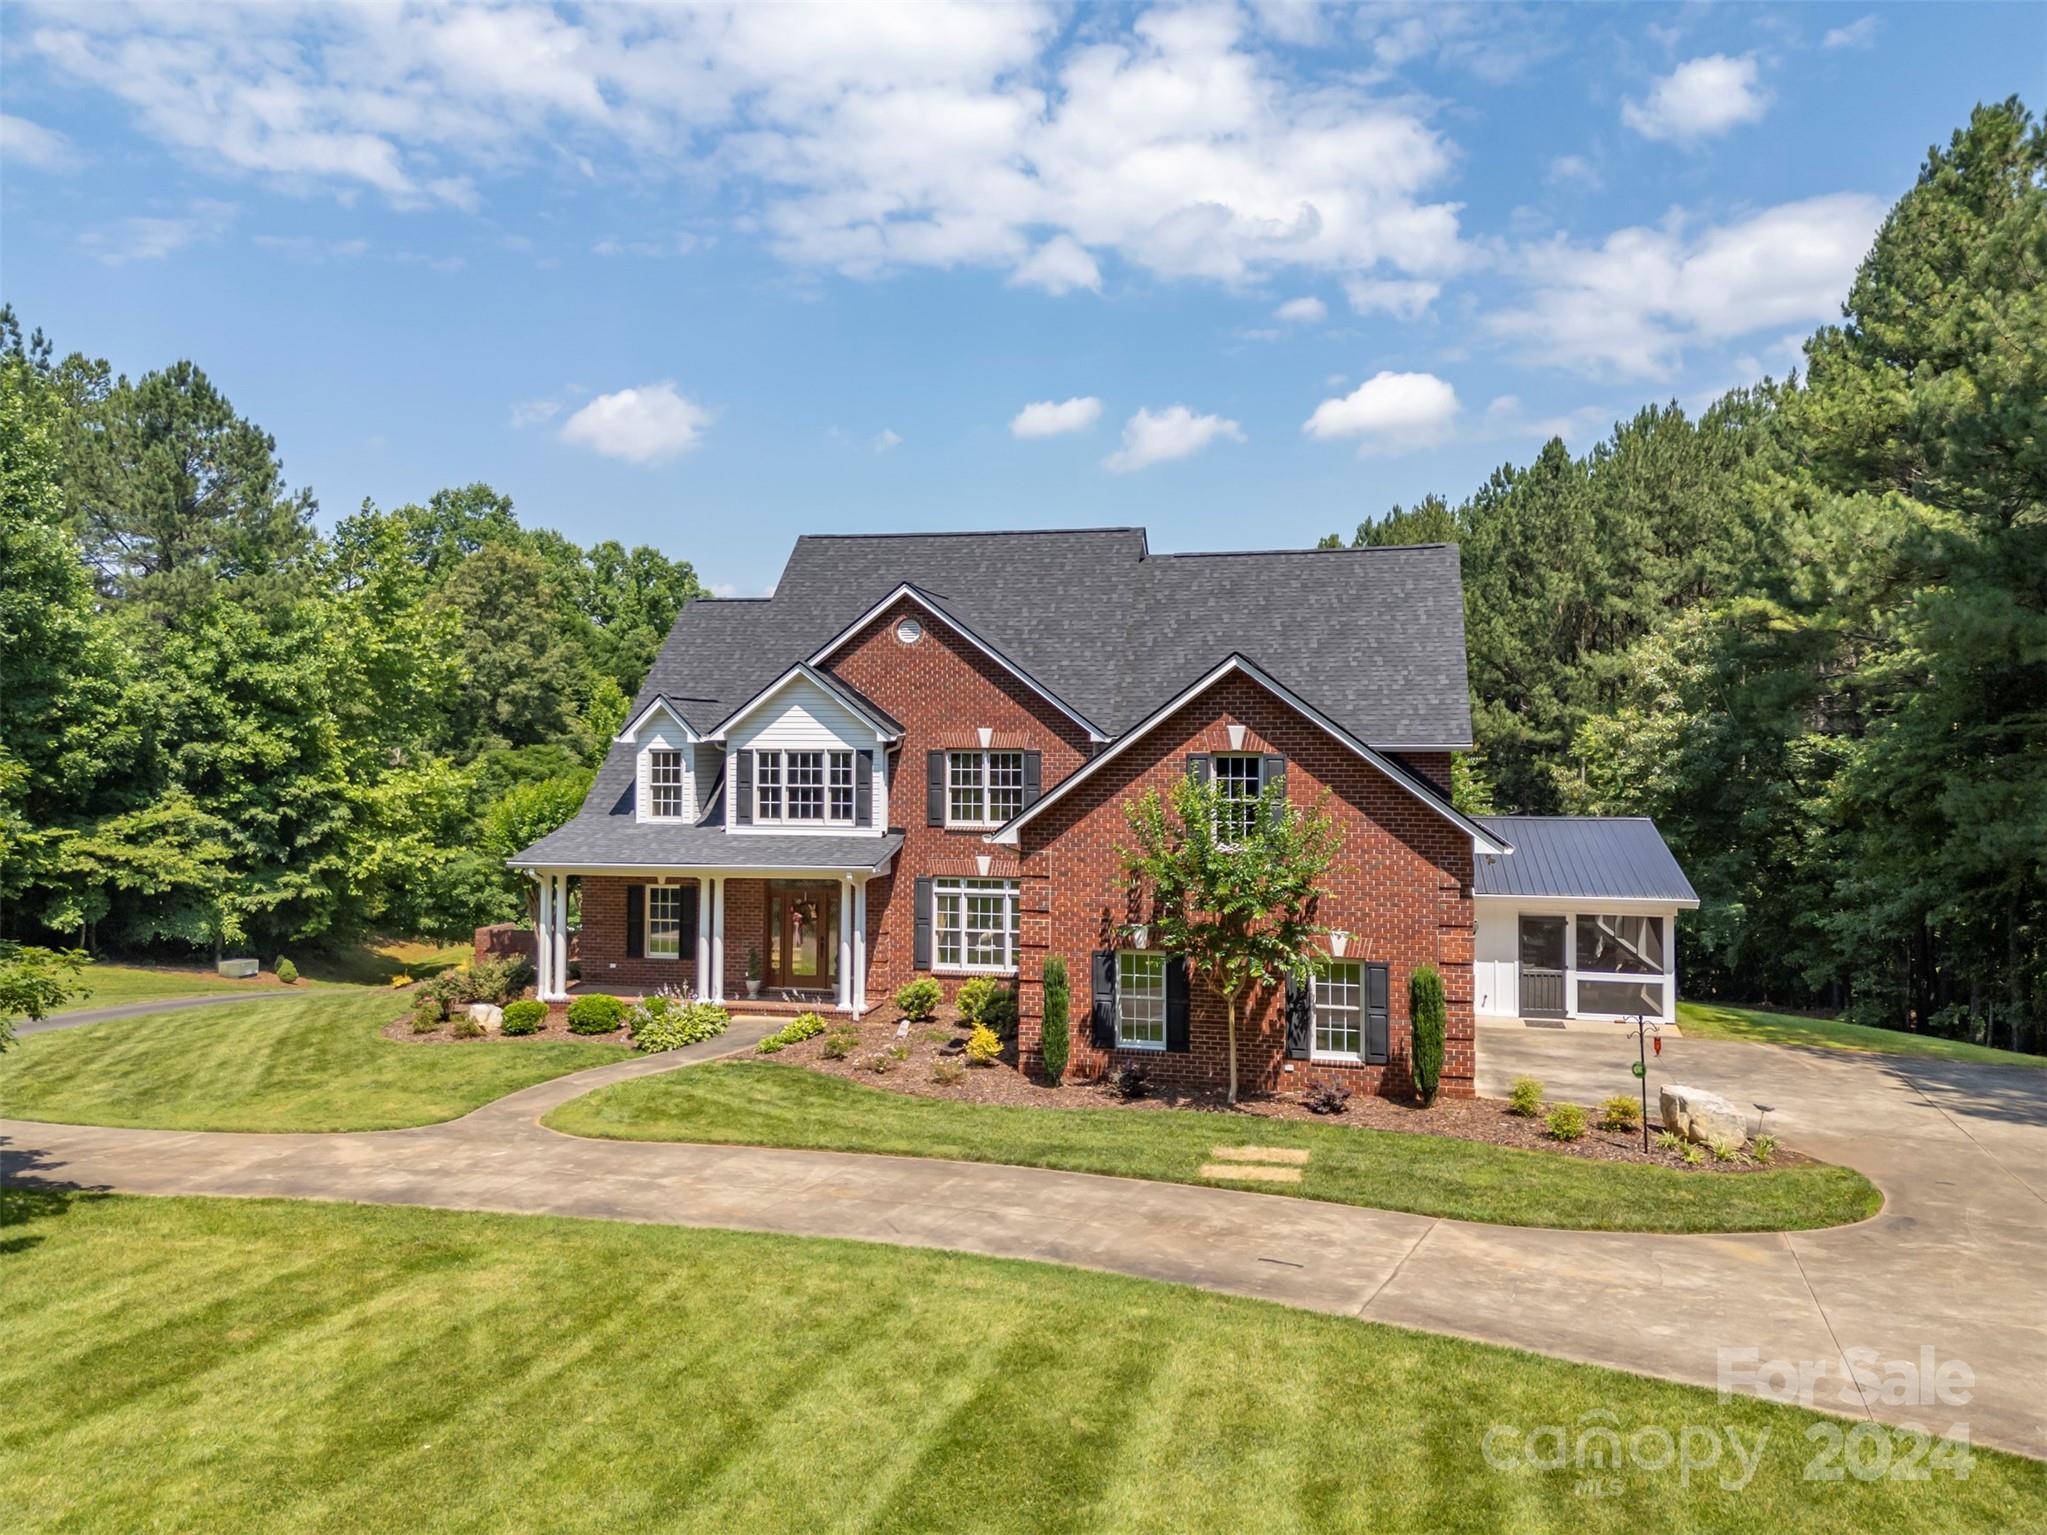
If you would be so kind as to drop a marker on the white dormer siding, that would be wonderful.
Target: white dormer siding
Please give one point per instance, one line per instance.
(804, 717)
(659, 735)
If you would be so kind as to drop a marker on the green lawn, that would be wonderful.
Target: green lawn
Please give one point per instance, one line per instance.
(760, 1104)
(112, 985)
(371, 963)
(1710, 1020)
(313, 1061)
(259, 1365)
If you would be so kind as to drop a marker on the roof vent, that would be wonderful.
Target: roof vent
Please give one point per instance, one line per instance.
(909, 631)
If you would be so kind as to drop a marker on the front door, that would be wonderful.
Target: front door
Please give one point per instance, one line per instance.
(803, 937)
(1542, 967)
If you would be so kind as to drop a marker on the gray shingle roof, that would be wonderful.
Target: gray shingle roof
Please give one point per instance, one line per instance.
(1621, 858)
(1374, 638)
(620, 840)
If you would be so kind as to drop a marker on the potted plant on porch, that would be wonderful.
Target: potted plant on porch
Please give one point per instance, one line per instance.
(753, 972)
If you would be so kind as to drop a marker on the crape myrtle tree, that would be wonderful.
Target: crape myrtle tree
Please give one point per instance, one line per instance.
(1230, 891)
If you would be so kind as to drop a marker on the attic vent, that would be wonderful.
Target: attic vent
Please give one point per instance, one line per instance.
(909, 631)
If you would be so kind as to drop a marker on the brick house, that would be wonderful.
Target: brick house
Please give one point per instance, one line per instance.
(914, 759)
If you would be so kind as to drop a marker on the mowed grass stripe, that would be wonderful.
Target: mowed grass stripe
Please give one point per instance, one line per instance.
(763, 1104)
(438, 1372)
(310, 1062)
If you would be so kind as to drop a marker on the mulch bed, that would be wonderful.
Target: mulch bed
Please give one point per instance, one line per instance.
(1468, 1119)
(556, 1026)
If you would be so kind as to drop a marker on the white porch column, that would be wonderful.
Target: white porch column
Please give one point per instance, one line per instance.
(543, 951)
(860, 946)
(717, 991)
(845, 987)
(561, 935)
(703, 987)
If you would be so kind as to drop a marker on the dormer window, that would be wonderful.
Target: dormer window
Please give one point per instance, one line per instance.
(664, 785)
(803, 786)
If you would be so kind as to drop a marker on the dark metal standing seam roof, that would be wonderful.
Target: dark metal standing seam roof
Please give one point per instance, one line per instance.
(1621, 858)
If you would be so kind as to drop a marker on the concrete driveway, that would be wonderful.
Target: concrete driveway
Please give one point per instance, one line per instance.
(1954, 1264)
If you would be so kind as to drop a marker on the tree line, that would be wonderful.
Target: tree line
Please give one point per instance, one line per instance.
(1807, 630)
(220, 728)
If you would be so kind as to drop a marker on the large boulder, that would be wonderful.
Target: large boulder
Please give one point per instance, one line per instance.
(489, 1014)
(1705, 1117)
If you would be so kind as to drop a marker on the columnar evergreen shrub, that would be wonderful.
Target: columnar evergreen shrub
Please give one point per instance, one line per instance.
(1058, 1034)
(1426, 1008)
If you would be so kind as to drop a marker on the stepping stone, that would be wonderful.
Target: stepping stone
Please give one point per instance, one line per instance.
(1291, 1155)
(1250, 1172)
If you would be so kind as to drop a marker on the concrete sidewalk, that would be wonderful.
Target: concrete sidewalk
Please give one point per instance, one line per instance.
(1952, 1264)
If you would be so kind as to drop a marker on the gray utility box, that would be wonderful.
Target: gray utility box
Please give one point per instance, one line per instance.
(238, 969)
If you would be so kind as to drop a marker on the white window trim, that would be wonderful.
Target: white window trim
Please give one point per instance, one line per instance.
(681, 785)
(1340, 1057)
(647, 921)
(1257, 760)
(963, 886)
(782, 754)
(985, 756)
(1165, 1001)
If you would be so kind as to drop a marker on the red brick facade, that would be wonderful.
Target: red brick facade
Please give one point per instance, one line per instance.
(1401, 885)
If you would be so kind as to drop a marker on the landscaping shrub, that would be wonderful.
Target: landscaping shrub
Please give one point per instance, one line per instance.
(881, 1063)
(1057, 1025)
(948, 1073)
(1668, 1140)
(1524, 1097)
(919, 999)
(666, 1023)
(1692, 1154)
(447, 989)
(1326, 1098)
(287, 973)
(1426, 1008)
(841, 1042)
(1620, 1112)
(984, 1046)
(1566, 1122)
(595, 1014)
(802, 1026)
(426, 1015)
(496, 980)
(1764, 1147)
(467, 1027)
(525, 1017)
(1128, 1082)
(984, 999)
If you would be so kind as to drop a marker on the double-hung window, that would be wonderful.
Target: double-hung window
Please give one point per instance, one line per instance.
(1340, 1012)
(1239, 780)
(664, 785)
(975, 924)
(803, 786)
(664, 922)
(983, 788)
(1140, 1000)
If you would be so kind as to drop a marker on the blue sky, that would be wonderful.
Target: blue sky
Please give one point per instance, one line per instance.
(707, 278)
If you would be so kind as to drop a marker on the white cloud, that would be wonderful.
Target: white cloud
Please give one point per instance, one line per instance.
(1579, 428)
(1302, 311)
(1389, 413)
(886, 440)
(643, 426)
(151, 238)
(310, 248)
(534, 413)
(1047, 418)
(25, 143)
(1574, 170)
(1159, 437)
(1860, 33)
(1700, 98)
(867, 139)
(1402, 300)
(1633, 303)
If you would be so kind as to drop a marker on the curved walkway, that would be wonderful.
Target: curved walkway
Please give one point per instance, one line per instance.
(1953, 1263)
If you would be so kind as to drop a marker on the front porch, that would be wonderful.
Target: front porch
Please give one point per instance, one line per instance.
(777, 943)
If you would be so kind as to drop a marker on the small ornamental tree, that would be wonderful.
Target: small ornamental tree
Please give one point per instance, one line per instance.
(1425, 1008)
(1058, 1008)
(1238, 910)
(35, 982)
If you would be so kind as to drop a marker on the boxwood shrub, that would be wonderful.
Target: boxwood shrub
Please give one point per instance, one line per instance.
(595, 1014)
(524, 1017)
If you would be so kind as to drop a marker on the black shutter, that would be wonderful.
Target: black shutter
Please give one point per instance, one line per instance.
(863, 788)
(1300, 1018)
(1176, 1003)
(739, 809)
(1034, 776)
(1376, 1022)
(921, 956)
(690, 894)
(1274, 772)
(1199, 766)
(1102, 1016)
(635, 921)
(934, 788)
